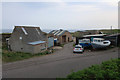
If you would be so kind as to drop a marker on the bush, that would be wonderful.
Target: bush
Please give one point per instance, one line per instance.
(107, 70)
(73, 45)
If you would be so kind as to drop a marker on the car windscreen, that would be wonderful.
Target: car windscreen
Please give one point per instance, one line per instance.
(77, 47)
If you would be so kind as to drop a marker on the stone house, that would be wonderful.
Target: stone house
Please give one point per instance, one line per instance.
(61, 36)
(28, 39)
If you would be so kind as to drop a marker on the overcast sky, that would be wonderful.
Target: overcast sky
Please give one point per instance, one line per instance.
(97, 14)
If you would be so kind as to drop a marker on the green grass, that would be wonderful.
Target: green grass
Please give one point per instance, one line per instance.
(62, 45)
(105, 31)
(6, 33)
(108, 70)
(8, 56)
(114, 31)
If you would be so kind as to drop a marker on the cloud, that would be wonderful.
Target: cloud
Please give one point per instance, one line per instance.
(113, 3)
(60, 15)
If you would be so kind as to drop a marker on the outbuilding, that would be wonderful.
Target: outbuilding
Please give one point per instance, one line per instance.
(61, 36)
(114, 38)
(28, 39)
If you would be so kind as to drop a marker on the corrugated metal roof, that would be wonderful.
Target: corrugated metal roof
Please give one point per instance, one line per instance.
(52, 31)
(36, 42)
(62, 32)
(94, 35)
(58, 32)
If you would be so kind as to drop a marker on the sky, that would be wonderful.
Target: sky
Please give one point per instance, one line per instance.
(78, 15)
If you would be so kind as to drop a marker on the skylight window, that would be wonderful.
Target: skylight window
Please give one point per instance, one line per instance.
(60, 32)
(37, 31)
(56, 32)
(24, 31)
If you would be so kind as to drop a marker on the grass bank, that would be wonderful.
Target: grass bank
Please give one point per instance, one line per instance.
(108, 70)
(9, 56)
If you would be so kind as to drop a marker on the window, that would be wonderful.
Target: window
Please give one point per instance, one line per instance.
(99, 41)
(24, 31)
(20, 38)
(102, 40)
(95, 40)
(78, 47)
(37, 31)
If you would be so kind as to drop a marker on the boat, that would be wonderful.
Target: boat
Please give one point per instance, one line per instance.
(85, 42)
(100, 43)
(94, 41)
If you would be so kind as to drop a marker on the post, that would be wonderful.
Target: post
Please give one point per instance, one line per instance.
(111, 29)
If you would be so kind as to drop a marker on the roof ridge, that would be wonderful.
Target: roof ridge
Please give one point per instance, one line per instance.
(28, 26)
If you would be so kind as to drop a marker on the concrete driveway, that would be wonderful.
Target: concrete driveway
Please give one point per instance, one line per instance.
(58, 64)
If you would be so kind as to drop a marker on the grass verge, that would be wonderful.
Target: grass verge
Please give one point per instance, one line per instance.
(8, 56)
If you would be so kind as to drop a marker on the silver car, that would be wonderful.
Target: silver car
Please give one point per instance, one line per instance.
(78, 48)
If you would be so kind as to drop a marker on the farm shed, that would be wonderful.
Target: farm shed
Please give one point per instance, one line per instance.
(114, 38)
(28, 39)
(61, 36)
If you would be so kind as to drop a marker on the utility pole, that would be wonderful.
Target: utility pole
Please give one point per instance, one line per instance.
(111, 29)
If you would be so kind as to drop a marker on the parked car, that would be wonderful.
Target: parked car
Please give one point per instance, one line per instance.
(78, 48)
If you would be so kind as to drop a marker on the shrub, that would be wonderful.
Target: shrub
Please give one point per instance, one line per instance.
(73, 45)
(107, 70)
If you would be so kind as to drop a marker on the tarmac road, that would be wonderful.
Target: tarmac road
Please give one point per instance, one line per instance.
(58, 64)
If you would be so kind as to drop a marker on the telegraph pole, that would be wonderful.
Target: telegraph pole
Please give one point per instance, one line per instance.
(111, 29)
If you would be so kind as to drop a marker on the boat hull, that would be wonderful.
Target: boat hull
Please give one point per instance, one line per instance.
(102, 45)
(96, 46)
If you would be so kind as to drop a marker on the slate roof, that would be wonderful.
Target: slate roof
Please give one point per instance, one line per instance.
(30, 34)
(57, 32)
